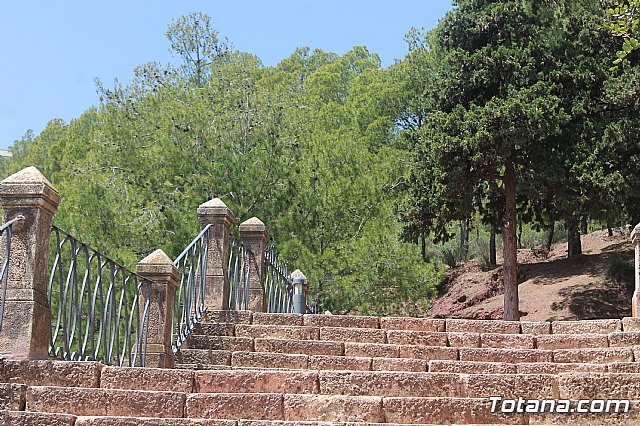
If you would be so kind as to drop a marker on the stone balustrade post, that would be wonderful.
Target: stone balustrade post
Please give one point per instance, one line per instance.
(218, 215)
(254, 237)
(635, 301)
(160, 270)
(26, 326)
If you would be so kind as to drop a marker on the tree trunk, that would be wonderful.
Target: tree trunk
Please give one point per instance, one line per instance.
(584, 230)
(423, 247)
(574, 245)
(464, 238)
(492, 246)
(550, 232)
(609, 229)
(509, 250)
(519, 234)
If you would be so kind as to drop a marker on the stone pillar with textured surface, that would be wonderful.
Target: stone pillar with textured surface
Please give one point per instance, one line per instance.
(635, 301)
(27, 316)
(218, 215)
(160, 270)
(254, 237)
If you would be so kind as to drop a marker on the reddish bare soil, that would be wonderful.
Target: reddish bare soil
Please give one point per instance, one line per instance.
(596, 284)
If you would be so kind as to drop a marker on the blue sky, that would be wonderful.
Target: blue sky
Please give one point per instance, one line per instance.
(52, 51)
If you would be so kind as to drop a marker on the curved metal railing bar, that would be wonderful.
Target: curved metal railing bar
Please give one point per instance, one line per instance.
(189, 305)
(238, 269)
(277, 283)
(4, 271)
(99, 308)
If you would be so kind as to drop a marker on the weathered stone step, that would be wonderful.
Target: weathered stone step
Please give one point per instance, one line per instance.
(26, 418)
(85, 374)
(105, 402)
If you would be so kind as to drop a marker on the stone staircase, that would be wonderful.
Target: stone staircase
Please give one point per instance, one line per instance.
(288, 369)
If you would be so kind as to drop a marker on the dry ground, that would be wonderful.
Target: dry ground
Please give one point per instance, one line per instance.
(597, 284)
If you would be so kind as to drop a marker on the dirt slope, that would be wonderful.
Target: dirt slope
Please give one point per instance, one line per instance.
(597, 284)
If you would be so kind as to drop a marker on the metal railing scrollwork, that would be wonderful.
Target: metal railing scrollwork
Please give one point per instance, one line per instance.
(99, 308)
(277, 283)
(6, 232)
(238, 268)
(190, 305)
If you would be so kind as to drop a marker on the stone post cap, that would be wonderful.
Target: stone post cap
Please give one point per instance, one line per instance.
(215, 207)
(253, 226)
(159, 267)
(298, 274)
(635, 234)
(27, 184)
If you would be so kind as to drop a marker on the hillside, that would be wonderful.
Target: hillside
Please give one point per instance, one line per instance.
(597, 284)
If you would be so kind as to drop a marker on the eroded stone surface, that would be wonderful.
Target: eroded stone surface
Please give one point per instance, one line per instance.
(586, 326)
(227, 316)
(399, 364)
(256, 381)
(204, 356)
(427, 352)
(278, 332)
(25, 418)
(12, 396)
(600, 386)
(252, 406)
(379, 350)
(410, 337)
(572, 341)
(269, 360)
(505, 355)
(626, 339)
(483, 326)
(156, 379)
(333, 408)
(557, 368)
(307, 347)
(51, 373)
(219, 343)
(603, 355)
(105, 402)
(347, 321)
(472, 367)
(328, 362)
(215, 329)
(510, 341)
(408, 323)
(277, 319)
(143, 421)
(357, 335)
(390, 384)
(463, 340)
(512, 386)
(532, 327)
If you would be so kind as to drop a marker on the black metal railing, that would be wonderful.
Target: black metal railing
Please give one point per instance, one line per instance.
(238, 269)
(190, 305)
(277, 283)
(6, 232)
(99, 308)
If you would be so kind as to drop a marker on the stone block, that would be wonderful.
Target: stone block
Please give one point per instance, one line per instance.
(472, 367)
(269, 360)
(483, 326)
(390, 384)
(512, 356)
(152, 379)
(532, 327)
(214, 329)
(263, 318)
(410, 337)
(12, 396)
(631, 418)
(603, 355)
(463, 340)
(145, 421)
(329, 362)
(624, 339)
(226, 316)
(557, 368)
(572, 341)
(256, 381)
(353, 335)
(445, 411)
(25, 418)
(506, 341)
(333, 408)
(586, 326)
(427, 352)
(630, 324)
(372, 350)
(346, 321)
(398, 364)
(219, 343)
(415, 324)
(278, 332)
(307, 347)
(84, 374)
(105, 402)
(250, 406)
(600, 386)
(512, 386)
(204, 356)
(622, 367)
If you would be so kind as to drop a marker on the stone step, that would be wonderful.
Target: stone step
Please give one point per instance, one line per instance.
(105, 402)
(26, 418)
(85, 374)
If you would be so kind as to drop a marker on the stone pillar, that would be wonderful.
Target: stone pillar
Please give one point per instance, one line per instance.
(159, 268)
(635, 301)
(254, 237)
(218, 215)
(27, 316)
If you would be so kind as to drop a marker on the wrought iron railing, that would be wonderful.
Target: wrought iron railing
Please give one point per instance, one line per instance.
(277, 283)
(238, 269)
(99, 308)
(6, 232)
(190, 305)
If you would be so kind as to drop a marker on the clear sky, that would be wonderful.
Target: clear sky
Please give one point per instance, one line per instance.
(53, 50)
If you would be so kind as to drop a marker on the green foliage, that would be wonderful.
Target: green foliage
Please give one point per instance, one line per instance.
(624, 21)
